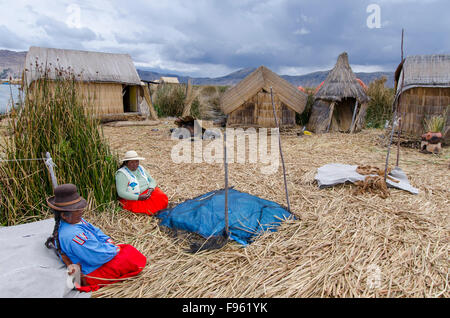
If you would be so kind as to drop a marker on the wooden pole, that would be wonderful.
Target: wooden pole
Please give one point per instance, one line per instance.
(389, 145)
(49, 163)
(330, 116)
(399, 128)
(225, 162)
(400, 121)
(394, 118)
(188, 99)
(148, 98)
(281, 151)
(353, 117)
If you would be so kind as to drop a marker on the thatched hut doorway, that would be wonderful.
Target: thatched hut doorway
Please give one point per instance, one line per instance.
(130, 99)
(343, 114)
(340, 102)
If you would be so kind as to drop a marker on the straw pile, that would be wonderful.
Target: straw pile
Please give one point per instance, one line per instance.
(341, 245)
(374, 182)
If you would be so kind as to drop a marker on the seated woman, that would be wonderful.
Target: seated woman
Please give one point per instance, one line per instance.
(78, 242)
(137, 189)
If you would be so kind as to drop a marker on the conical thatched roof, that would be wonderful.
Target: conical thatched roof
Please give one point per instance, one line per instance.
(263, 78)
(341, 82)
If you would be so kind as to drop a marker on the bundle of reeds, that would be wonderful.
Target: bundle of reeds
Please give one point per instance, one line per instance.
(54, 119)
(435, 123)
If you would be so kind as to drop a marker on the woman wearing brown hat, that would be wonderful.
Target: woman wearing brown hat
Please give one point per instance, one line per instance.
(136, 189)
(77, 241)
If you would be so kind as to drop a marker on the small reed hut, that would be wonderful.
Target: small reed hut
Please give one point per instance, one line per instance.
(168, 80)
(110, 81)
(340, 104)
(249, 103)
(425, 92)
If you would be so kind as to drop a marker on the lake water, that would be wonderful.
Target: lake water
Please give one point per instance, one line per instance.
(5, 96)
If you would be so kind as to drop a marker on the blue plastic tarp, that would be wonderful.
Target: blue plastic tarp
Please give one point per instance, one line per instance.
(248, 215)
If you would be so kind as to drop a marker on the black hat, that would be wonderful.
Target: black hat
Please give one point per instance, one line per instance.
(66, 199)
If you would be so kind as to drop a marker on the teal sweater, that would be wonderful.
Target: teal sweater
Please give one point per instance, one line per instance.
(122, 185)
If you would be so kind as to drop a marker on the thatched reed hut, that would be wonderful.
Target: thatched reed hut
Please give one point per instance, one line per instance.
(425, 92)
(249, 103)
(341, 102)
(168, 80)
(110, 81)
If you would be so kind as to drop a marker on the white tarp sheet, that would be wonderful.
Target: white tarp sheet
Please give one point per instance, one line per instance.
(336, 173)
(27, 268)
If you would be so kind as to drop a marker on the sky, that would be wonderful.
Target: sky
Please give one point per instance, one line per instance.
(212, 38)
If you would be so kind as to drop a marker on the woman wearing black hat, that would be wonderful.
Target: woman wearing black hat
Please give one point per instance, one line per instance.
(79, 242)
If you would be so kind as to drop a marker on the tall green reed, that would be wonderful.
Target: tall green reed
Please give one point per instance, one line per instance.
(380, 105)
(170, 100)
(54, 118)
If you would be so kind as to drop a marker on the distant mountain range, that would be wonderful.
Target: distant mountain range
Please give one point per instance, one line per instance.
(307, 80)
(11, 64)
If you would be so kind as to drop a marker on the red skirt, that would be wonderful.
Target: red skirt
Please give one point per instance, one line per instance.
(127, 263)
(158, 201)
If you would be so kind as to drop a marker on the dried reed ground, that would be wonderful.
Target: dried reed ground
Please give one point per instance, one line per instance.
(332, 250)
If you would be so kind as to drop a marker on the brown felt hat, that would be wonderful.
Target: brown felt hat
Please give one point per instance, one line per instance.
(66, 199)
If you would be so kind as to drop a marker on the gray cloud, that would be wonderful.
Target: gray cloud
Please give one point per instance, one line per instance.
(61, 35)
(10, 40)
(201, 37)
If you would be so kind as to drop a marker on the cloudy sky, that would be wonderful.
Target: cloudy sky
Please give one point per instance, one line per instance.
(216, 37)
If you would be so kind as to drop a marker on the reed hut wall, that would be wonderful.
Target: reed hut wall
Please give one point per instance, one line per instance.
(110, 81)
(258, 112)
(422, 85)
(341, 119)
(104, 98)
(319, 114)
(420, 103)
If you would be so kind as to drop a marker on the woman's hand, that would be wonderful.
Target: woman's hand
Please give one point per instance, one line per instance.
(72, 268)
(146, 196)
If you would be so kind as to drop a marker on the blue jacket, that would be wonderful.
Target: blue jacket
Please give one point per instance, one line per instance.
(86, 244)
